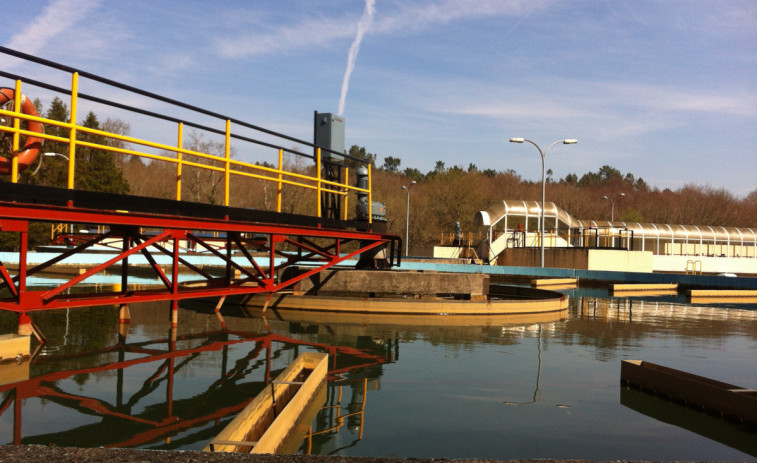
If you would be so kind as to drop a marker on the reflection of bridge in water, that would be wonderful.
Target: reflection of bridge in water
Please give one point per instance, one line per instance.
(150, 403)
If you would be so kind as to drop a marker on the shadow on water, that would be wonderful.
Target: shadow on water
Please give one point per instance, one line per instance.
(500, 388)
(709, 426)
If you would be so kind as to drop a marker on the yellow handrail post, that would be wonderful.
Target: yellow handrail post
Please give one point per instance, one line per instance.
(179, 157)
(206, 160)
(346, 191)
(228, 164)
(318, 180)
(16, 135)
(72, 131)
(370, 196)
(279, 189)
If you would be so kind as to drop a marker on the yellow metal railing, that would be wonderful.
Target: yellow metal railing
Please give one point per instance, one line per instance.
(693, 267)
(183, 157)
(465, 238)
(57, 228)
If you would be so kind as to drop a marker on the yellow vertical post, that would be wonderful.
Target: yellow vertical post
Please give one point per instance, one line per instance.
(362, 407)
(318, 177)
(16, 135)
(228, 164)
(347, 191)
(72, 131)
(278, 191)
(370, 196)
(179, 156)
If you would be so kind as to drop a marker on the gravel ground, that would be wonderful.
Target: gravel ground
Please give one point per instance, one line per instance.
(40, 454)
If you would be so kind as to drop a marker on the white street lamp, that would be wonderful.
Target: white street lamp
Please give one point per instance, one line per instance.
(567, 141)
(407, 217)
(612, 210)
(50, 155)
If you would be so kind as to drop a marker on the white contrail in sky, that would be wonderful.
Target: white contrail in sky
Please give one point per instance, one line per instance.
(362, 26)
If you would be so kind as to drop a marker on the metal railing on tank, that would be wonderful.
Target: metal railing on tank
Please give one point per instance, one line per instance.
(275, 173)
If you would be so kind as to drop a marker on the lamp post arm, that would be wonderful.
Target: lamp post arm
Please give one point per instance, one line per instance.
(543, 154)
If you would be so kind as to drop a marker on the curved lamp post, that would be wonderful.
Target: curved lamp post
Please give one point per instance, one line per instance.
(567, 141)
(612, 209)
(48, 155)
(407, 217)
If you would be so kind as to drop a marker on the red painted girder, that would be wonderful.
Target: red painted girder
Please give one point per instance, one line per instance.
(43, 213)
(55, 299)
(61, 288)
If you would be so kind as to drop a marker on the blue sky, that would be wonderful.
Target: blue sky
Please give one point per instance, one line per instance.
(665, 90)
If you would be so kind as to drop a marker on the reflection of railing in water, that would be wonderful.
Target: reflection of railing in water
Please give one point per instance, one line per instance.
(639, 310)
(332, 415)
(186, 416)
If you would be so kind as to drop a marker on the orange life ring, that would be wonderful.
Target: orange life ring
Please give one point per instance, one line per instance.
(29, 152)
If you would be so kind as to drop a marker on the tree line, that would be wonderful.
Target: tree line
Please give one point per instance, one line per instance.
(439, 198)
(446, 195)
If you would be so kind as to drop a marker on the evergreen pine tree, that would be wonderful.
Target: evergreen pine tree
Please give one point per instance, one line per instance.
(96, 169)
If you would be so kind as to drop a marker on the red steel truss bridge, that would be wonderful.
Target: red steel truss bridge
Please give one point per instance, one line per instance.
(255, 245)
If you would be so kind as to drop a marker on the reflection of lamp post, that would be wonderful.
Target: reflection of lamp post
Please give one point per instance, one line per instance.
(538, 375)
(567, 141)
(407, 217)
(612, 210)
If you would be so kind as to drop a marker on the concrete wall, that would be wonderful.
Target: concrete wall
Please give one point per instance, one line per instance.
(475, 285)
(620, 261)
(554, 258)
(579, 258)
(447, 252)
(708, 265)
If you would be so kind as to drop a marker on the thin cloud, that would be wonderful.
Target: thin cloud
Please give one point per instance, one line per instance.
(591, 97)
(517, 110)
(413, 18)
(59, 16)
(667, 99)
(286, 39)
(420, 17)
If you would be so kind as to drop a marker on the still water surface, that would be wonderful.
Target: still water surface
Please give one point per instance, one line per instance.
(504, 389)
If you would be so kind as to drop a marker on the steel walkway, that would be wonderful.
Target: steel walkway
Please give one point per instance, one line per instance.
(149, 226)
